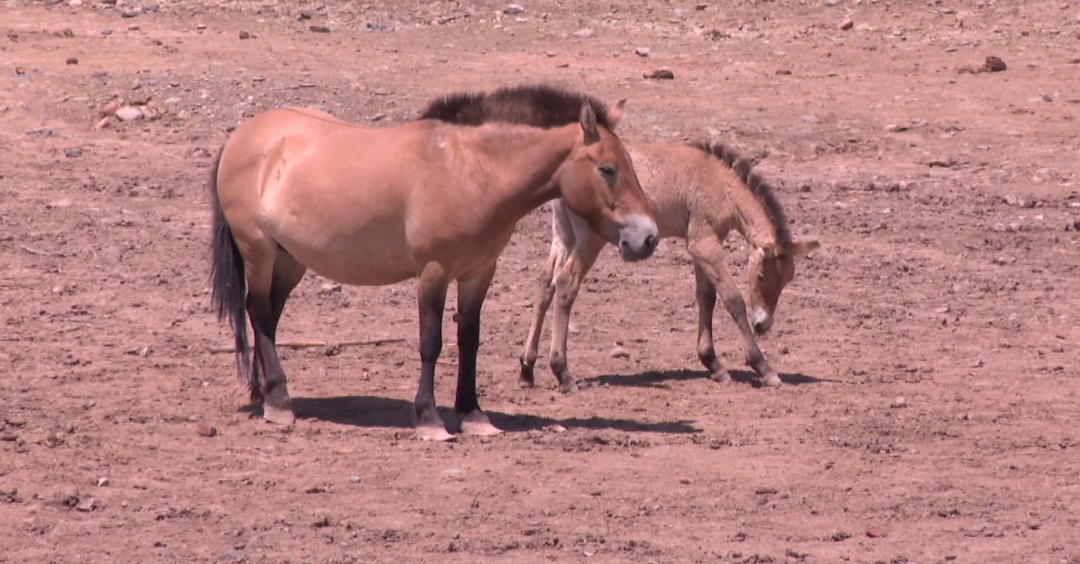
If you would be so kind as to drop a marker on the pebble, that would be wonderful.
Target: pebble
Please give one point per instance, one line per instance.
(847, 24)
(87, 505)
(106, 32)
(172, 101)
(584, 32)
(133, 27)
(72, 60)
(995, 64)
(103, 482)
(231, 555)
(550, 53)
(130, 14)
(330, 288)
(205, 429)
(73, 152)
(245, 35)
(898, 402)
(307, 14)
(74, 3)
(562, 65)
(354, 479)
(661, 74)
(102, 122)
(619, 352)
(513, 9)
(129, 113)
(319, 29)
(642, 51)
(874, 533)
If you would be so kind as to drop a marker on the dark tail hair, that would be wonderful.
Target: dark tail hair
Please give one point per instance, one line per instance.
(228, 285)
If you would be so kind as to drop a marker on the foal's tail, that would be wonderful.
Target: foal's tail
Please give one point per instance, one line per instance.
(229, 288)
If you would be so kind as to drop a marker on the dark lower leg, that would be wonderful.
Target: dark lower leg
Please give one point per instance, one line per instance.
(431, 311)
(274, 389)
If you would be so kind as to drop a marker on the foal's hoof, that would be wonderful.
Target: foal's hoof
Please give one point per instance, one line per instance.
(278, 415)
(771, 380)
(526, 378)
(434, 434)
(568, 387)
(721, 376)
(477, 424)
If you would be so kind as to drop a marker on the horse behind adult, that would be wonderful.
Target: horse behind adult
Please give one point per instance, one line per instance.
(436, 199)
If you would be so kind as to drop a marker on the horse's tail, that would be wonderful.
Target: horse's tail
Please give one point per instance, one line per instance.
(228, 284)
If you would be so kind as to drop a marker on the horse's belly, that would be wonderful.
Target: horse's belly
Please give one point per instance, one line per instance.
(360, 254)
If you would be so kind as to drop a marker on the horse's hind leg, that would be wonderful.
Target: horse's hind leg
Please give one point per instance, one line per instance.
(567, 284)
(269, 284)
(545, 292)
(706, 299)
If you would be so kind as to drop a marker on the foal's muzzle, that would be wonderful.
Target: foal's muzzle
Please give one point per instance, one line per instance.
(762, 321)
(638, 238)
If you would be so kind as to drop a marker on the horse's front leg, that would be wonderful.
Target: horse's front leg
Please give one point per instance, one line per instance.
(708, 255)
(431, 295)
(471, 294)
(705, 292)
(567, 285)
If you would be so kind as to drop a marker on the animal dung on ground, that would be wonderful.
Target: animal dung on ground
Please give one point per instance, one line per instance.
(661, 74)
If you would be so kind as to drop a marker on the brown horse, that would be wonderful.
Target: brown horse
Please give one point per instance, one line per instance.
(436, 199)
(698, 193)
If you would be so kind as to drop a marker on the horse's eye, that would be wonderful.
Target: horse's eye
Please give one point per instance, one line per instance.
(761, 277)
(609, 172)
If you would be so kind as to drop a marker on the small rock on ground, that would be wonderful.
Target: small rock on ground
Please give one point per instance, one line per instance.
(205, 429)
(513, 9)
(619, 352)
(129, 113)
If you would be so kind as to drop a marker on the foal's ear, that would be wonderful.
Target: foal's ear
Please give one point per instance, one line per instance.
(800, 249)
(588, 124)
(615, 113)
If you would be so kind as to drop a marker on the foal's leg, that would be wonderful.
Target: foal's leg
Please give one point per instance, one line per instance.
(706, 299)
(471, 293)
(432, 297)
(562, 240)
(708, 254)
(545, 293)
(567, 284)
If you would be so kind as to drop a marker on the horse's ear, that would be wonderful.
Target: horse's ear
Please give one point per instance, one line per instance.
(588, 124)
(615, 113)
(800, 249)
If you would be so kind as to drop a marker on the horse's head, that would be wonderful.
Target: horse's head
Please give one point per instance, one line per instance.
(772, 268)
(598, 183)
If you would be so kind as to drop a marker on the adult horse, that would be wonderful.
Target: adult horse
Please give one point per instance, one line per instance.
(435, 199)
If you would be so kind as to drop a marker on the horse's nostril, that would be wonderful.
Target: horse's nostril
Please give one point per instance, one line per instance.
(651, 241)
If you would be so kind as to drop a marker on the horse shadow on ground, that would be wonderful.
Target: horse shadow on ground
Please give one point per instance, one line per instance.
(661, 378)
(371, 411)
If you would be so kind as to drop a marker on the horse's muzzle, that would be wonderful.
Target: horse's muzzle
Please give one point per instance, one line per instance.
(638, 238)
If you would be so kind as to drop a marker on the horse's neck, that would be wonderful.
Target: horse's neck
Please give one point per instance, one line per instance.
(750, 217)
(527, 160)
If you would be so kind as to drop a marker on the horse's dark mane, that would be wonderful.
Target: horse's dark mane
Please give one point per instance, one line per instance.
(536, 105)
(757, 185)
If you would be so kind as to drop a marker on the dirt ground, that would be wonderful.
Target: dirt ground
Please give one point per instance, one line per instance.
(929, 348)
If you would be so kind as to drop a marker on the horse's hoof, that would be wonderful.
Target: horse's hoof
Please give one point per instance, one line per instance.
(526, 384)
(278, 415)
(721, 376)
(477, 424)
(434, 434)
(568, 387)
(771, 380)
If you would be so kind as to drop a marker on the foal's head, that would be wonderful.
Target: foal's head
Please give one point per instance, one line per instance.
(597, 179)
(771, 268)
(598, 183)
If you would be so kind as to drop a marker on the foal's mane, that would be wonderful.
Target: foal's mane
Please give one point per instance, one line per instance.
(536, 105)
(755, 184)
